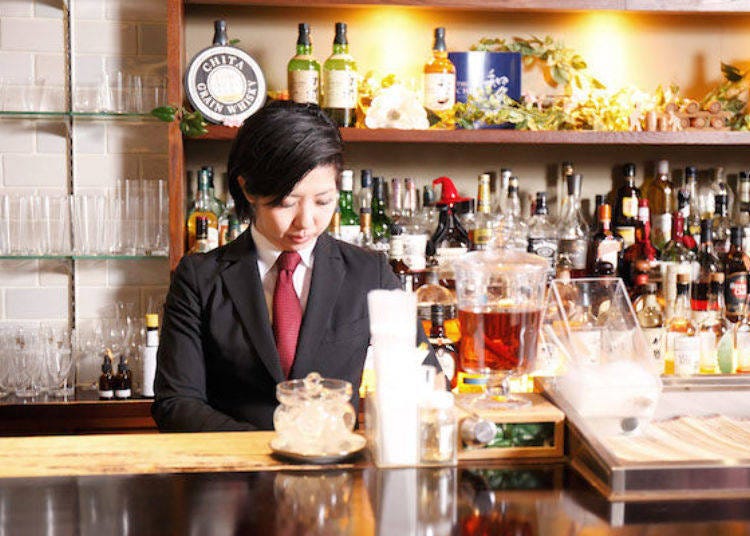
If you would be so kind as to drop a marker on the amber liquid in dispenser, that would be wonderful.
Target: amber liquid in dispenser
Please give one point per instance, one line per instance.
(498, 339)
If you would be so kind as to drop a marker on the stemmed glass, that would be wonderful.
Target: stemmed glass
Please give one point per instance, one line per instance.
(500, 294)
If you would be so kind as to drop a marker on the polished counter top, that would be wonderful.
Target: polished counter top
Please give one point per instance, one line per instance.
(230, 483)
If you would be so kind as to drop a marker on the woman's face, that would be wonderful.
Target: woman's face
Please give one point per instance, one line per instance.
(303, 215)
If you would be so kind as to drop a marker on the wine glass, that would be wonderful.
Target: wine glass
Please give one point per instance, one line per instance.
(500, 295)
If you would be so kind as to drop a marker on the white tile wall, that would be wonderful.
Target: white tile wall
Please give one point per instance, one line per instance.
(111, 34)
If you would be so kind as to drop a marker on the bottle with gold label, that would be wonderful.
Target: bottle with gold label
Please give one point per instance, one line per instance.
(482, 226)
(202, 207)
(303, 70)
(625, 211)
(682, 345)
(440, 81)
(340, 81)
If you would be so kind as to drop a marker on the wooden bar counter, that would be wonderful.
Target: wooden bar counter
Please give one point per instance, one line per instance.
(230, 483)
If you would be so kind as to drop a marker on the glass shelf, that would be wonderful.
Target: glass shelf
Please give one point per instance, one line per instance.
(92, 116)
(82, 257)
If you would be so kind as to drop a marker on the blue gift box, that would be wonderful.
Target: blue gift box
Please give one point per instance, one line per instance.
(498, 72)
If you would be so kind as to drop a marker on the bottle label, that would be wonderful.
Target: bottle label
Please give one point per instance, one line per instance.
(575, 250)
(655, 340)
(736, 291)
(480, 238)
(546, 248)
(662, 229)
(106, 394)
(341, 89)
(445, 256)
(303, 86)
(630, 207)
(439, 91)
(349, 233)
(122, 393)
(687, 353)
(414, 251)
(447, 363)
(628, 235)
(608, 251)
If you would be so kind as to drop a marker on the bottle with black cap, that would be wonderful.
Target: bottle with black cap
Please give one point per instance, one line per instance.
(708, 263)
(340, 81)
(736, 270)
(625, 210)
(445, 351)
(122, 381)
(303, 70)
(106, 387)
(440, 81)
(573, 230)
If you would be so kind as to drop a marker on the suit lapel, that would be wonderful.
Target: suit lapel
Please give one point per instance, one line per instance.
(327, 275)
(246, 292)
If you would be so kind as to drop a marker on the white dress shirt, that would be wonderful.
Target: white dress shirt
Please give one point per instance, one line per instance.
(267, 256)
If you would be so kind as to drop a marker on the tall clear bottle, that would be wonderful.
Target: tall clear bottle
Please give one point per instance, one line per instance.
(720, 226)
(381, 223)
(340, 81)
(303, 70)
(440, 81)
(514, 230)
(573, 230)
(713, 326)
(659, 191)
(542, 234)
(683, 346)
(364, 196)
(708, 190)
(693, 218)
(677, 255)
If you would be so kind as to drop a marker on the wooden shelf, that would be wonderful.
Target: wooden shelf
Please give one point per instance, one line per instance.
(660, 6)
(523, 137)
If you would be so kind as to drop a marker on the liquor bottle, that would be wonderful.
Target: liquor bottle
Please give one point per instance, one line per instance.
(106, 388)
(542, 234)
(334, 228)
(349, 218)
(720, 226)
(303, 70)
(742, 210)
(502, 191)
(739, 361)
(626, 206)
(413, 235)
(573, 230)
(683, 207)
(483, 225)
(149, 355)
(708, 263)
(396, 205)
(122, 381)
(228, 223)
(693, 219)
(642, 249)
(202, 243)
(606, 246)
(675, 254)
(202, 207)
(586, 333)
(440, 81)
(444, 349)
(364, 196)
(428, 214)
(364, 239)
(512, 227)
(660, 194)
(566, 171)
(340, 81)
(381, 223)
(713, 326)
(709, 189)
(399, 267)
(217, 205)
(450, 239)
(432, 292)
(736, 270)
(650, 315)
(682, 345)
(599, 200)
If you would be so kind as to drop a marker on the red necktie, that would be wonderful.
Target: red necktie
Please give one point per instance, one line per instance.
(287, 311)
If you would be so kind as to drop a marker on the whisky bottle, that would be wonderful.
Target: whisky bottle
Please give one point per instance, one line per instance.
(606, 246)
(432, 292)
(542, 234)
(440, 81)
(720, 226)
(202, 207)
(482, 227)
(736, 270)
(202, 243)
(573, 230)
(693, 218)
(303, 71)
(713, 326)
(444, 349)
(413, 235)
(683, 346)
(399, 267)
(659, 191)
(626, 206)
(340, 81)
(650, 315)
(349, 218)
(708, 263)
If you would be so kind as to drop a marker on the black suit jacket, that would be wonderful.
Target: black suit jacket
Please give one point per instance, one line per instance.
(217, 361)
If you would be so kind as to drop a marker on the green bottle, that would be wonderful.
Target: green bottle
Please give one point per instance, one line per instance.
(303, 71)
(340, 81)
(381, 223)
(349, 218)
(216, 204)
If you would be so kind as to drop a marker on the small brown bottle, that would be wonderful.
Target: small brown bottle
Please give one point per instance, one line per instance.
(122, 382)
(106, 387)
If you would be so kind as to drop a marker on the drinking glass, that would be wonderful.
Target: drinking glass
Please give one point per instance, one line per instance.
(26, 359)
(5, 219)
(59, 364)
(500, 296)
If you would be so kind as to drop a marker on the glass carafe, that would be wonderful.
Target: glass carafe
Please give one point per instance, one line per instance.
(500, 295)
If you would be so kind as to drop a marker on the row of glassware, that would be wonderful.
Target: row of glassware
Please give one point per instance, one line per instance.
(131, 219)
(118, 92)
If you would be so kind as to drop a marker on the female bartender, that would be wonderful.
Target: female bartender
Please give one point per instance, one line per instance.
(282, 300)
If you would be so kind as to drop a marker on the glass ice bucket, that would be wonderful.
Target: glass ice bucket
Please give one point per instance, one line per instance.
(315, 416)
(500, 295)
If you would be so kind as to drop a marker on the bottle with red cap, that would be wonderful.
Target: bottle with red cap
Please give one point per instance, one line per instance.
(642, 249)
(450, 239)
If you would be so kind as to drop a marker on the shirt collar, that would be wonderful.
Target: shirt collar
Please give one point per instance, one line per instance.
(268, 253)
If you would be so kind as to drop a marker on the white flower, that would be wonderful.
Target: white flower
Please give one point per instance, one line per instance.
(396, 107)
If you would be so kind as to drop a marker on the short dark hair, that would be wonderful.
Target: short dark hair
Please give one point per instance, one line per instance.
(276, 147)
